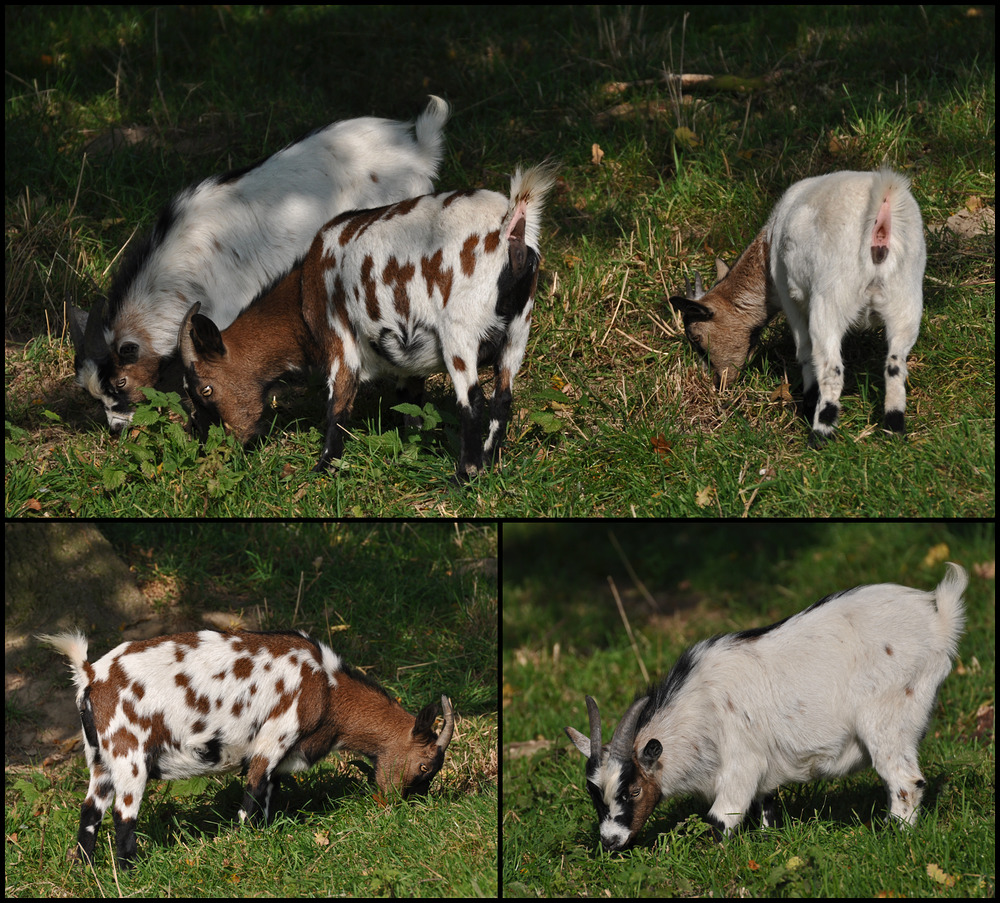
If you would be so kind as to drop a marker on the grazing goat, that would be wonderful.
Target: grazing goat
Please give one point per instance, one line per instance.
(264, 703)
(443, 282)
(220, 242)
(847, 683)
(836, 249)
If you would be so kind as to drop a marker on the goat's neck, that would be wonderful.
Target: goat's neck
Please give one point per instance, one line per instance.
(367, 721)
(749, 281)
(272, 332)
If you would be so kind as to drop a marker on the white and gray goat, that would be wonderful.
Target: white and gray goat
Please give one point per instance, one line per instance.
(439, 283)
(836, 249)
(847, 683)
(263, 703)
(219, 243)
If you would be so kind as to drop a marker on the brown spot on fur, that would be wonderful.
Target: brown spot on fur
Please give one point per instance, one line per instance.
(888, 650)
(397, 276)
(122, 742)
(458, 364)
(373, 176)
(243, 668)
(368, 286)
(467, 256)
(491, 242)
(436, 275)
(455, 195)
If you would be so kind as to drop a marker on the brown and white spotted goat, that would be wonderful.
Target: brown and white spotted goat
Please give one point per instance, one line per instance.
(439, 283)
(264, 703)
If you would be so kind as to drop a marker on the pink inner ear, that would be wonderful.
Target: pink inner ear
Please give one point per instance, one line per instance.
(881, 232)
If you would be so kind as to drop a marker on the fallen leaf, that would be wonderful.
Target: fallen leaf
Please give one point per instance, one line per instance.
(782, 393)
(936, 554)
(686, 137)
(662, 446)
(596, 154)
(704, 497)
(935, 873)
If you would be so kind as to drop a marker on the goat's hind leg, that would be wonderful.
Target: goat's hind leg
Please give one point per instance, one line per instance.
(895, 760)
(901, 338)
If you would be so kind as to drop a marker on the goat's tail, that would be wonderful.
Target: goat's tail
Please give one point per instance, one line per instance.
(74, 647)
(528, 189)
(951, 609)
(890, 191)
(429, 129)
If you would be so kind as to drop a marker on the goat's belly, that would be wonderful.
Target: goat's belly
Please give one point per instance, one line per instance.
(195, 759)
(828, 762)
(403, 349)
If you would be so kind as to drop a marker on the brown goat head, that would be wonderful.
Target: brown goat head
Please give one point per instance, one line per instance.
(227, 373)
(725, 322)
(409, 764)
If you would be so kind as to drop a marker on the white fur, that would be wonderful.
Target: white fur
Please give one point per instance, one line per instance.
(847, 683)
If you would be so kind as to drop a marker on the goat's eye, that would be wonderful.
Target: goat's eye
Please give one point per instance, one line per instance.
(206, 391)
(636, 791)
(425, 768)
(122, 382)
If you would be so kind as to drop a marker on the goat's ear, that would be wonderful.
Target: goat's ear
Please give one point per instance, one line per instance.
(692, 310)
(423, 727)
(650, 754)
(200, 337)
(128, 353)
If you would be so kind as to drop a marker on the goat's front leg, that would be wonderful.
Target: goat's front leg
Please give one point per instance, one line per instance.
(342, 385)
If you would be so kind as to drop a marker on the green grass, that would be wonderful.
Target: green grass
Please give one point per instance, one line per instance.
(413, 605)
(564, 639)
(614, 414)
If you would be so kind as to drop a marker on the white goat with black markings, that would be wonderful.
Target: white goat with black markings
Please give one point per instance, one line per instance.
(836, 249)
(262, 703)
(219, 243)
(440, 283)
(847, 683)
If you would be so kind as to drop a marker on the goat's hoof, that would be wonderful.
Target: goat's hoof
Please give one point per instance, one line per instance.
(894, 422)
(818, 439)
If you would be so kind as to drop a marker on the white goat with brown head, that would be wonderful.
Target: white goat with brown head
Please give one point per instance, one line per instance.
(837, 249)
(264, 703)
(439, 283)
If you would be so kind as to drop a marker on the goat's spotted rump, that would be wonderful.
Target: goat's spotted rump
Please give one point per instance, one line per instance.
(847, 683)
(264, 703)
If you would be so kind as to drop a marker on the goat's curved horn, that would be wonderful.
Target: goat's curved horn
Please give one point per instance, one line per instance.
(595, 729)
(624, 736)
(95, 345)
(449, 723)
